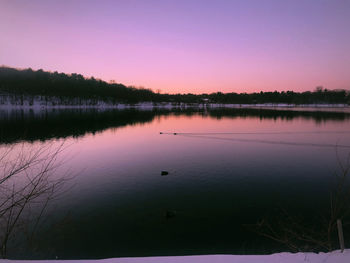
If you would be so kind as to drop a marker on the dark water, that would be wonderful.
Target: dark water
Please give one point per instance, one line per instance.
(227, 169)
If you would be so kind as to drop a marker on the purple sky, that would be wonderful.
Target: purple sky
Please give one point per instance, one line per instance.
(184, 46)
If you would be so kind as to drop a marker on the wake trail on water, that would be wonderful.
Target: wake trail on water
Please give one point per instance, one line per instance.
(273, 142)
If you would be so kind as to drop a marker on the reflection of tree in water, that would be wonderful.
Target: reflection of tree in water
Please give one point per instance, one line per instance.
(65, 123)
(29, 126)
(317, 116)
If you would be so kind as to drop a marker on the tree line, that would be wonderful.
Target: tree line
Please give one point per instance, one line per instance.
(28, 82)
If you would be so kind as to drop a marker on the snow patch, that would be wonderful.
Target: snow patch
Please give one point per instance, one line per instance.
(38, 103)
(332, 257)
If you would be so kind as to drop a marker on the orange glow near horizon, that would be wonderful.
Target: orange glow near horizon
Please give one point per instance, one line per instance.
(184, 46)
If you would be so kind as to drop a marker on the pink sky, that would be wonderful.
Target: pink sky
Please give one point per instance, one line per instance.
(184, 46)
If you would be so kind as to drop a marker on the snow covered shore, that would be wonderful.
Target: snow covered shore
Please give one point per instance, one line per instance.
(40, 106)
(11, 101)
(332, 257)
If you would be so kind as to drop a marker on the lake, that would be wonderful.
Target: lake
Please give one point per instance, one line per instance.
(227, 169)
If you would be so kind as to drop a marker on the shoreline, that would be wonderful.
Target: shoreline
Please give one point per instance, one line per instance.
(343, 108)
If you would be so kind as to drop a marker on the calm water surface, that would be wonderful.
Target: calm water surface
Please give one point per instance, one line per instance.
(227, 170)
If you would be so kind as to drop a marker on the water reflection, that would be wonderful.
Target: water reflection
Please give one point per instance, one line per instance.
(121, 205)
(27, 125)
(200, 136)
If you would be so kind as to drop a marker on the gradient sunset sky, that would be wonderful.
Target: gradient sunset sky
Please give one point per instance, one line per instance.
(184, 46)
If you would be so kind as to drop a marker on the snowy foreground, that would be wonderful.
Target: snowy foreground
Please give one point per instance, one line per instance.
(333, 257)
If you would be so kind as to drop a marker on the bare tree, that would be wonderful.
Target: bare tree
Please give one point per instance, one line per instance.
(27, 184)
